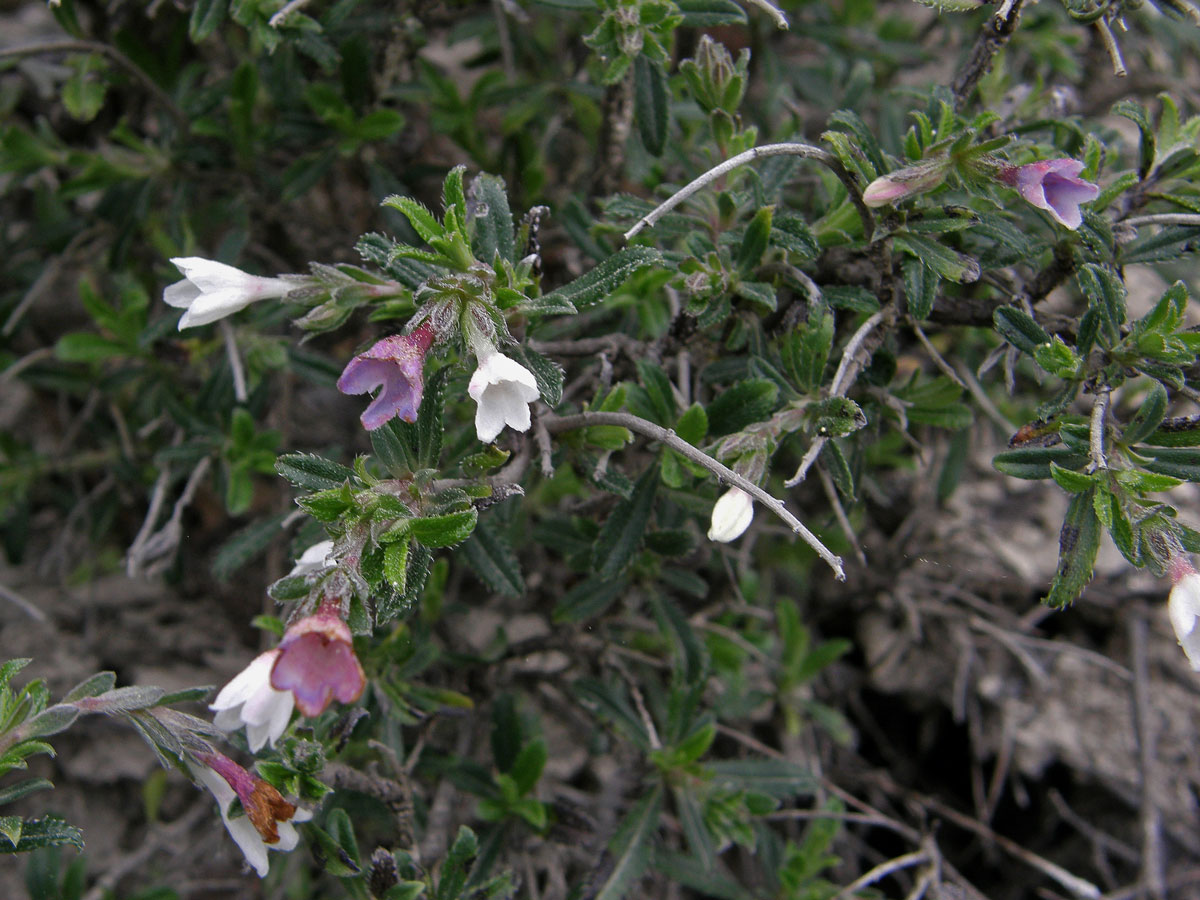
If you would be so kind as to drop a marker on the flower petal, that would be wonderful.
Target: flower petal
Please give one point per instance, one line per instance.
(180, 294)
(247, 682)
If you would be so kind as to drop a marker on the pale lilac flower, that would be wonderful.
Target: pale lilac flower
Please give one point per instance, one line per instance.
(396, 364)
(268, 822)
(250, 700)
(316, 662)
(211, 290)
(1183, 607)
(1055, 186)
(731, 516)
(502, 388)
(315, 558)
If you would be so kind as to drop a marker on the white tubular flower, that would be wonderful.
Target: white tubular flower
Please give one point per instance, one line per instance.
(315, 558)
(1183, 606)
(250, 700)
(503, 390)
(731, 516)
(211, 290)
(268, 820)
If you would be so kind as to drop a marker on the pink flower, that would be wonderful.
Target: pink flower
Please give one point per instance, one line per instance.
(395, 363)
(1183, 607)
(907, 182)
(1053, 185)
(317, 663)
(268, 820)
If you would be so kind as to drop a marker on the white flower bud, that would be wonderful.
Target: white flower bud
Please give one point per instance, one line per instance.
(731, 516)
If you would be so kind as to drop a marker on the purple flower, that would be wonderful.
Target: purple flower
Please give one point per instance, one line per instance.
(317, 663)
(1055, 186)
(395, 363)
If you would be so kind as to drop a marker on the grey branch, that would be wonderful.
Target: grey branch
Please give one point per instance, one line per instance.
(808, 151)
(556, 424)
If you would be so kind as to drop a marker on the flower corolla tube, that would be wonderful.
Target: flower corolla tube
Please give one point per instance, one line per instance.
(211, 290)
(502, 388)
(395, 364)
(316, 662)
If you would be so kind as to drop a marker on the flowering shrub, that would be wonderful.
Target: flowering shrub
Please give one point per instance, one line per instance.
(612, 288)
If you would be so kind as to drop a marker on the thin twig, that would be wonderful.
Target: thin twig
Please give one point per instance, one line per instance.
(847, 371)
(116, 56)
(235, 362)
(1096, 435)
(882, 871)
(773, 11)
(938, 359)
(556, 424)
(24, 605)
(1192, 219)
(840, 514)
(1114, 49)
(994, 35)
(1144, 728)
(767, 150)
(286, 11)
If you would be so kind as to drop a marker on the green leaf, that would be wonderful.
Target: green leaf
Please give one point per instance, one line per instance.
(326, 506)
(631, 847)
(489, 554)
(700, 13)
(1034, 463)
(920, 288)
(494, 230)
(207, 16)
(546, 372)
(85, 347)
(453, 876)
(396, 447)
(90, 687)
(445, 531)
(395, 564)
(245, 545)
(1077, 545)
(754, 241)
(590, 598)
(742, 404)
(1178, 462)
(527, 767)
(47, 832)
(1106, 292)
(1070, 480)
(23, 788)
(312, 473)
(950, 264)
(424, 223)
(1020, 329)
(621, 536)
(50, 721)
(774, 777)
(1136, 113)
(1149, 416)
(595, 285)
(651, 112)
(83, 93)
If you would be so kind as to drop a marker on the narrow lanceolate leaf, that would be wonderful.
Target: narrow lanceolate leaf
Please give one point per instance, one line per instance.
(621, 536)
(23, 788)
(489, 554)
(312, 473)
(775, 777)
(1148, 417)
(422, 220)
(1105, 292)
(920, 288)
(50, 721)
(445, 531)
(1034, 463)
(97, 684)
(950, 264)
(546, 372)
(207, 15)
(651, 112)
(631, 847)
(395, 564)
(47, 832)
(1020, 329)
(493, 226)
(594, 286)
(1077, 545)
